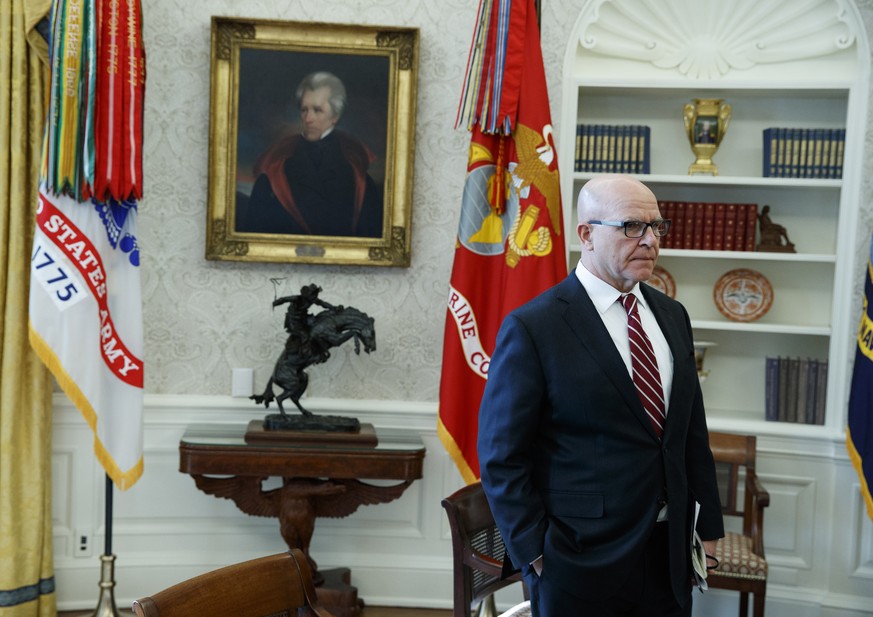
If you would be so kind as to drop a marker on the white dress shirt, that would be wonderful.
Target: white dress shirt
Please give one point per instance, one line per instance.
(605, 298)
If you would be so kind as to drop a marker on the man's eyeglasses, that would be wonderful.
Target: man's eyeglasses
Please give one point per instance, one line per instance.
(637, 229)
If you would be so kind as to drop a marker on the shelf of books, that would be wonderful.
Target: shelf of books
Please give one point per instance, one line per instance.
(756, 249)
(809, 214)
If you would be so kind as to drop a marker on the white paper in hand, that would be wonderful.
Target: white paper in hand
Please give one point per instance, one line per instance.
(698, 554)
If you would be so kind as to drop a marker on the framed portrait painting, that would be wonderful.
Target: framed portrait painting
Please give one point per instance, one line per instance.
(311, 142)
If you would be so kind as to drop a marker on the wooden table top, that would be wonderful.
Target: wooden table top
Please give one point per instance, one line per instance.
(221, 449)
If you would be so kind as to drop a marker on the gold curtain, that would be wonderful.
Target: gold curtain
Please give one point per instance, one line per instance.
(26, 566)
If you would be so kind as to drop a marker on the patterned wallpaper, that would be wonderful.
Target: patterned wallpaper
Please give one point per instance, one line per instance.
(203, 318)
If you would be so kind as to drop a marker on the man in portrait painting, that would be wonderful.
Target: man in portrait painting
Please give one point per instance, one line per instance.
(707, 130)
(315, 182)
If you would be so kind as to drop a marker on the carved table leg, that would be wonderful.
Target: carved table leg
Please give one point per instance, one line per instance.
(297, 504)
(338, 595)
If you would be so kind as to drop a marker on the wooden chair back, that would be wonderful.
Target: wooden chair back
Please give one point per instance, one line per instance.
(742, 564)
(273, 586)
(477, 549)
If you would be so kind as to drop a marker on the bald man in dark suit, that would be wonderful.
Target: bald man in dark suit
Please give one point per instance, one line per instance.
(593, 489)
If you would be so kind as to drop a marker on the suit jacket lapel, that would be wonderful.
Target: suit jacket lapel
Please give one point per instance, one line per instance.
(583, 318)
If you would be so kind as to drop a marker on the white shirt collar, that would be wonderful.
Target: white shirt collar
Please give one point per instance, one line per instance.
(602, 294)
(325, 134)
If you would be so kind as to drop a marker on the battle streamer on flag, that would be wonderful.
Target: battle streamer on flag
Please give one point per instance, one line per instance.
(85, 295)
(510, 245)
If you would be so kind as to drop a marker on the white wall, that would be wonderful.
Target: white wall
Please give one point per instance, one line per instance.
(205, 318)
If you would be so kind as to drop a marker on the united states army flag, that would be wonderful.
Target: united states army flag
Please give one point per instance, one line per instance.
(85, 305)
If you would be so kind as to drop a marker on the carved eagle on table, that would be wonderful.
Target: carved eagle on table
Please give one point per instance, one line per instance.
(328, 498)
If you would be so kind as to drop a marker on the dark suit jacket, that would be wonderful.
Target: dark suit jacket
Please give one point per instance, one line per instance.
(320, 188)
(571, 465)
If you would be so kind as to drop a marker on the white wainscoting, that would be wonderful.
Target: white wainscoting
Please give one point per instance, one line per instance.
(819, 538)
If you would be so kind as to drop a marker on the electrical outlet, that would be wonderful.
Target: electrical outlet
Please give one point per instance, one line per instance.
(82, 544)
(242, 382)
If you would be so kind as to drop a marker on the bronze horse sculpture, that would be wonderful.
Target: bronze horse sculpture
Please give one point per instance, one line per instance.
(310, 338)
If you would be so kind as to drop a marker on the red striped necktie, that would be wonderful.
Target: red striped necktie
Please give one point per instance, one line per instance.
(644, 366)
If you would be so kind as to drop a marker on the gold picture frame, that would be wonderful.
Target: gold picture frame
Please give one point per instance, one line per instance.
(257, 133)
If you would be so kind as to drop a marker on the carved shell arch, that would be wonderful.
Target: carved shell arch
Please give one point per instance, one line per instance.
(706, 40)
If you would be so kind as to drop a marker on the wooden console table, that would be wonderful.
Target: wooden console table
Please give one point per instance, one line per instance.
(320, 479)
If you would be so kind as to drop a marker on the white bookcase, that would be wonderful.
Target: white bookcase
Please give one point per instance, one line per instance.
(625, 66)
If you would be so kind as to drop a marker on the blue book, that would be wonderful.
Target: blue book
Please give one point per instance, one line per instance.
(818, 136)
(587, 147)
(769, 155)
(636, 160)
(821, 387)
(771, 390)
(801, 153)
(834, 156)
(826, 150)
(645, 139)
(806, 147)
(812, 378)
(782, 140)
(597, 157)
(792, 153)
(611, 138)
(622, 150)
(577, 155)
(841, 142)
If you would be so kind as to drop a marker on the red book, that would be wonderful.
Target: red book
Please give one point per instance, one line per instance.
(688, 240)
(718, 231)
(678, 231)
(699, 221)
(665, 208)
(740, 228)
(730, 227)
(751, 226)
(708, 226)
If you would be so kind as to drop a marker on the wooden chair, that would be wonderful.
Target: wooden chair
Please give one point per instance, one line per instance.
(273, 586)
(741, 563)
(478, 552)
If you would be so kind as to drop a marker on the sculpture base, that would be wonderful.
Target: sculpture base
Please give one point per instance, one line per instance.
(338, 595)
(703, 168)
(776, 248)
(257, 433)
(314, 422)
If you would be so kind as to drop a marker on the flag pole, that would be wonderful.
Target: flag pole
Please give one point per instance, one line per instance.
(106, 601)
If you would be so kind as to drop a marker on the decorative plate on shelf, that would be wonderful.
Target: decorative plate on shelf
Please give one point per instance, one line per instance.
(743, 295)
(663, 281)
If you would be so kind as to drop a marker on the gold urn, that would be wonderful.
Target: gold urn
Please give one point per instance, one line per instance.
(706, 122)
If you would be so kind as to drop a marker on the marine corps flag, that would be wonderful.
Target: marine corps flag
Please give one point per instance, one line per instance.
(85, 305)
(509, 246)
(859, 434)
